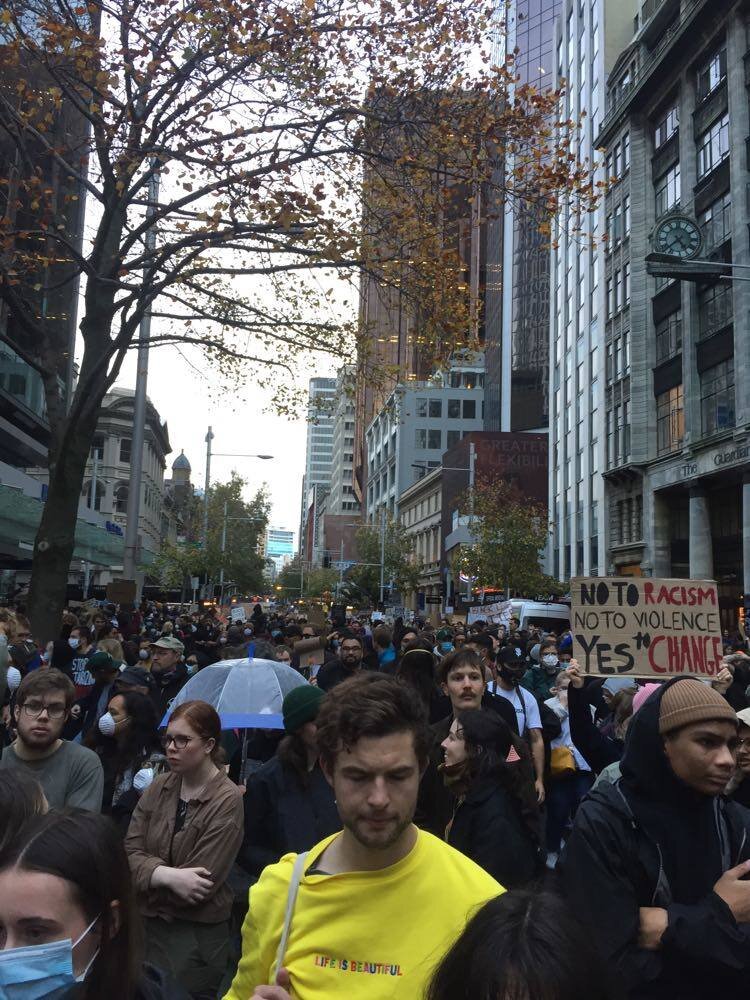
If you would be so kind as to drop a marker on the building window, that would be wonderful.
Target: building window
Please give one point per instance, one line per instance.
(436, 408)
(618, 290)
(125, 446)
(716, 222)
(715, 309)
(669, 336)
(713, 146)
(712, 73)
(121, 499)
(717, 397)
(668, 190)
(610, 297)
(453, 437)
(670, 420)
(626, 151)
(434, 439)
(420, 438)
(470, 409)
(626, 284)
(666, 126)
(97, 449)
(454, 409)
(421, 407)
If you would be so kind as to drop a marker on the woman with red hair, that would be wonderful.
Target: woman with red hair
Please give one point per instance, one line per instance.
(181, 844)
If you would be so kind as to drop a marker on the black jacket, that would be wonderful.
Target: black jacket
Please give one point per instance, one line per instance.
(488, 828)
(284, 816)
(168, 685)
(435, 803)
(597, 748)
(635, 843)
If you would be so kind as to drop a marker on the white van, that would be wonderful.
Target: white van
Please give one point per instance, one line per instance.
(546, 615)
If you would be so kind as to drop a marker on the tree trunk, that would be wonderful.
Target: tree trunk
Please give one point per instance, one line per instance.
(55, 539)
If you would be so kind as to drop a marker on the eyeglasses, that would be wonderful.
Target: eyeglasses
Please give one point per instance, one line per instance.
(180, 742)
(35, 708)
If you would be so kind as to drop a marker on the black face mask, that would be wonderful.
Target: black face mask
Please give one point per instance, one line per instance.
(510, 675)
(22, 652)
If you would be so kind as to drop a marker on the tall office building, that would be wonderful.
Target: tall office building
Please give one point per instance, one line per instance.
(342, 499)
(319, 453)
(279, 547)
(517, 326)
(677, 460)
(390, 319)
(589, 38)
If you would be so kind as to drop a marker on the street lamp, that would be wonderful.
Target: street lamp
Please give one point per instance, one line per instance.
(209, 439)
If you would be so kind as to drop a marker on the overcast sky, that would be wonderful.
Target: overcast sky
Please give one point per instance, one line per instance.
(240, 425)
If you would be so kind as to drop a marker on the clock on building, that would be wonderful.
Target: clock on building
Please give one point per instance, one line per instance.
(678, 235)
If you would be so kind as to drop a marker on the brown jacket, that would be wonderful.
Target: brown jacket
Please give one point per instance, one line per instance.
(209, 838)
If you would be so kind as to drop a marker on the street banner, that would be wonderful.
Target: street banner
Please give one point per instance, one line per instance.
(646, 627)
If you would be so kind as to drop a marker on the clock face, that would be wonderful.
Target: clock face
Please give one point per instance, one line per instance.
(678, 236)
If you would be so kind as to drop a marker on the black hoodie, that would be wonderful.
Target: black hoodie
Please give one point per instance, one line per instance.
(648, 840)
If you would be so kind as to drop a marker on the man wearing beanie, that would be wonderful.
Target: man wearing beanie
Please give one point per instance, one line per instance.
(656, 862)
(289, 805)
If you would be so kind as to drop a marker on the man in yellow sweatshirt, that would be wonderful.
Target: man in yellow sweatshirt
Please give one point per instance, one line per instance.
(379, 904)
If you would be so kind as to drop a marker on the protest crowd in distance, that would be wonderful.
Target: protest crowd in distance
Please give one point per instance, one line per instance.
(253, 802)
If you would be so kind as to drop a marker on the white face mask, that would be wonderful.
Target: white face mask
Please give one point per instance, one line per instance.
(549, 660)
(107, 725)
(13, 678)
(74, 643)
(45, 657)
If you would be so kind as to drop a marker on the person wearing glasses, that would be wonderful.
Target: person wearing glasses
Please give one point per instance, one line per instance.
(182, 841)
(70, 774)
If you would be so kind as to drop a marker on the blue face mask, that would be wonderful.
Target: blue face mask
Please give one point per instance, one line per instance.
(446, 647)
(41, 970)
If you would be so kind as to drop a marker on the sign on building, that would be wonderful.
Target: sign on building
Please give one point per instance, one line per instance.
(646, 627)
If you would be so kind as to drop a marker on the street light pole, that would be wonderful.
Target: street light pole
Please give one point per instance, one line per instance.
(382, 553)
(206, 485)
(223, 550)
(130, 557)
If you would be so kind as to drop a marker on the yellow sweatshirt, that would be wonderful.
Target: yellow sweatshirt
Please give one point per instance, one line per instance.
(375, 935)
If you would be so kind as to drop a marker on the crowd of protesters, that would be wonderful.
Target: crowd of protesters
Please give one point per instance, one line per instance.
(449, 811)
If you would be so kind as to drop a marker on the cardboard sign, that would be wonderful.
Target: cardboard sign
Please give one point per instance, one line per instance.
(310, 651)
(498, 613)
(646, 627)
(237, 614)
(121, 591)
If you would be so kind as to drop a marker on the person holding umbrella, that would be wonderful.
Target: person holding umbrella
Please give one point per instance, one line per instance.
(289, 805)
(181, 844)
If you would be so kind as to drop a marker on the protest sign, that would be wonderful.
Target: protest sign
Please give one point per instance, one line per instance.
(646, 627)
(494, 614)
(237, 614)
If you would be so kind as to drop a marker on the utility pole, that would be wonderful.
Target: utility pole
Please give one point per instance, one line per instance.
(130, 558)
(207, 484)
(341, 567)
(472, 476)
(223, 550)
(382, 554)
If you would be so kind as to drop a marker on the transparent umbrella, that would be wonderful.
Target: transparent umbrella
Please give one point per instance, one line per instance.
(247, 694)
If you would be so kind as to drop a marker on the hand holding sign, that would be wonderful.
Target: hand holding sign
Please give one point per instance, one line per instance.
(646, 627)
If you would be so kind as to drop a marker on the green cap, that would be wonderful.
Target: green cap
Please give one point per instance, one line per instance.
(300, 706)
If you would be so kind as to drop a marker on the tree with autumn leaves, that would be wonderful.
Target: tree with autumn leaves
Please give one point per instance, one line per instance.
(283, 138)
(509, 534)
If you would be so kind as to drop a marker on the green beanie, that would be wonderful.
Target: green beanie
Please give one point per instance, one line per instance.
(300, 706)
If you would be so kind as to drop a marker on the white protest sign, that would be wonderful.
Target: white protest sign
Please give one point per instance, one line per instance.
(646, 627)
